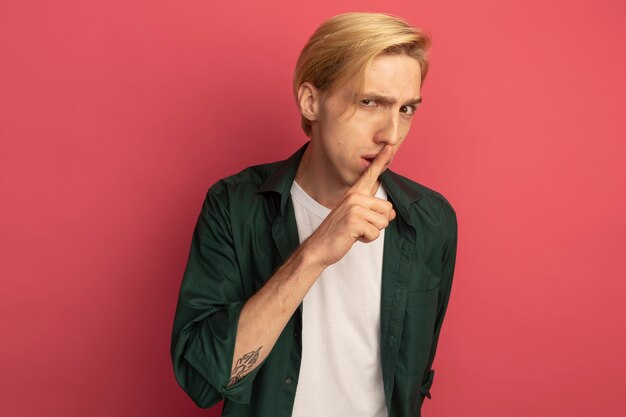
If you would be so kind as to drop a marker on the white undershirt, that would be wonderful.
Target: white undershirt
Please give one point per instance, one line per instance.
(340, 373)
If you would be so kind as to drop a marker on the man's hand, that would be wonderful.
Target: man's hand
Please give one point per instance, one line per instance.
(359, 216)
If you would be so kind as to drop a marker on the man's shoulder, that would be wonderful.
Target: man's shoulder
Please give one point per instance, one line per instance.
(246, 181)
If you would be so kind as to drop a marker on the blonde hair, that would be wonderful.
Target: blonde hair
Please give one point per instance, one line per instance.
(343, 47)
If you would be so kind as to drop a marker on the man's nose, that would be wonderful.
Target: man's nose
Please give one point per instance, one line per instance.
(389, 131)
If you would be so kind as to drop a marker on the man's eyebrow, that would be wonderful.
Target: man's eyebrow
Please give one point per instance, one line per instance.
(391, 100)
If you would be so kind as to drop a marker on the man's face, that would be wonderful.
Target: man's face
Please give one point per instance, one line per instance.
(352, 129)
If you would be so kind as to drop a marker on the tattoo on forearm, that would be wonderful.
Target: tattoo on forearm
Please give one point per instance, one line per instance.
(245, 363)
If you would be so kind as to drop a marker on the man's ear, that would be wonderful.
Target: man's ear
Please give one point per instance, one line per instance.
(309, 101)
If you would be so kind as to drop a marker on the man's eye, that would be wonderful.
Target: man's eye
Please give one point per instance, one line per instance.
(407, 110)
(368, 102)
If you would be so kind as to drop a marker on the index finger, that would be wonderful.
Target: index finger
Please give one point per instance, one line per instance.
(366, 184)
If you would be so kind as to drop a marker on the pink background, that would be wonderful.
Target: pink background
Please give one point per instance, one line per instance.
(115, 118)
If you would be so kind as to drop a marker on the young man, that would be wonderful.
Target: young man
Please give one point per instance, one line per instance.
(317, 285)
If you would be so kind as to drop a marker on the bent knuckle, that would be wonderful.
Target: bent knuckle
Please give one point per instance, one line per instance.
(353, 218)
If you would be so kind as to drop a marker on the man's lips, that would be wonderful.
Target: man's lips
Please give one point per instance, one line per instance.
(370, 157)
(367, 160)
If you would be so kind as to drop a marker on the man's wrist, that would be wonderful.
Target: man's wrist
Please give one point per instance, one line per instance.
(309, 257)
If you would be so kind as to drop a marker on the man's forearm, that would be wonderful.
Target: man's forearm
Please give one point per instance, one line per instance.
(266, 313)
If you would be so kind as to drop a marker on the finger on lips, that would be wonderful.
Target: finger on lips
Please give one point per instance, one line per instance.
(365, 186)
(367, 182)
